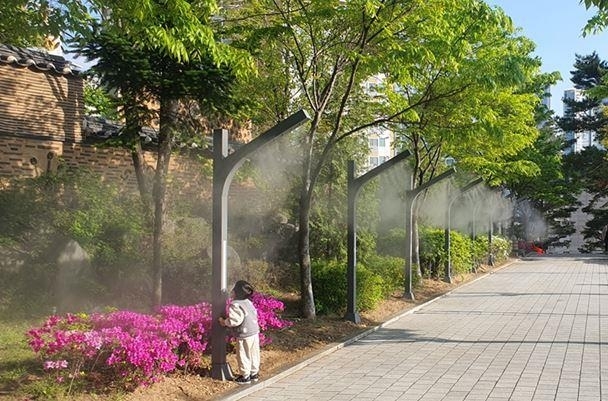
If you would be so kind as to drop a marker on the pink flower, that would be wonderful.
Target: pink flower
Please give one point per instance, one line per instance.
(48, 365)
(133, 347)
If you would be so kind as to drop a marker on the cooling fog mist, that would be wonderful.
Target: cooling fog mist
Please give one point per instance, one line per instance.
(471, 211)
(263, 197)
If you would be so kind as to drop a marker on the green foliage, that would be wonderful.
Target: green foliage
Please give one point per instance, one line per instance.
(427, 57)
(460, 252)
(98, 102)
(329, 281)
(46, 388)
(328, 238)
(598, 22)
(328, 217)
(465, 253)
(581, 113)
(432, 253)
(432, 250)
(390, 268)
(31, 22)
(587, 169)
(45, 213)
(483, 120)
(97, 215)
(371, 289)
(187, 270)
(163, 53)
(392, 243)
(551, 192)
(501, 249)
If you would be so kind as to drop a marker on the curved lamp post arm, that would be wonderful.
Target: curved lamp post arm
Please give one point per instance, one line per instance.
(448, 224)
(410, 198)
(354, 186)
(224, 167)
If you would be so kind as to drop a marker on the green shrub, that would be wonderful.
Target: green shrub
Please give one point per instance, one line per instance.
(44, 214)
(501, 248)
(432, 252)
(392, 243)
(187, 267)
(267, 276)
(464, 253)
(371, 289)
(480, 251)
(390, 268)
(329, 284)
(460, 252)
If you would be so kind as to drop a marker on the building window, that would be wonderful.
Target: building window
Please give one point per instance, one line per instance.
(373, 143)
(373, 161)
(382, 142)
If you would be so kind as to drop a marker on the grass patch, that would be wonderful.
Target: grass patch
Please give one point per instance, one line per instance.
(18, 363)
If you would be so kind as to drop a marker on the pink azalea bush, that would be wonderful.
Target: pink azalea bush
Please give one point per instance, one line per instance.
(131, 349)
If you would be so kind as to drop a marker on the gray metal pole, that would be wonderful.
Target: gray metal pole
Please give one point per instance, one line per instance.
(409, 203)
(448, 226)
(354, 186)
(447, 242)
(224, 167)
(351, 244)
(220, 369)
(410, 199)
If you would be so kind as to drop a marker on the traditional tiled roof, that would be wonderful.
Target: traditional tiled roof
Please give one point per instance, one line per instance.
(37, 60)
(97, 128)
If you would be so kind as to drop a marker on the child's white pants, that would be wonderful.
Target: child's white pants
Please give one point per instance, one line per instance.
(248, 355)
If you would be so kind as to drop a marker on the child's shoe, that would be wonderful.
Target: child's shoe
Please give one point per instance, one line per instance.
(255, 377)
(242, 380)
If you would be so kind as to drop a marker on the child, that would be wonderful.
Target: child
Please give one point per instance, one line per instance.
(243, 317)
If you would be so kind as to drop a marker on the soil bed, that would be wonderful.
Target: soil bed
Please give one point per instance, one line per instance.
(296, 344)
(289, 347)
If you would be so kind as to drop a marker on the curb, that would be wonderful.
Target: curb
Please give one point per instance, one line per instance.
(240, 393)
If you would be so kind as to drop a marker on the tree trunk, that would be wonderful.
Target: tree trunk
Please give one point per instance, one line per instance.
(306, 293)
(168, 118)
(132, 130)
(308, 302)
(142, 184)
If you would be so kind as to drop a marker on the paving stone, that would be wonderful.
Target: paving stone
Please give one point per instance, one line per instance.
(531, 331)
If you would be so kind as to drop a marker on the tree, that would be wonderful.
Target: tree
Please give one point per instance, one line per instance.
(599, 21)
(157, 52)
(552, 193)
(36, 22)
(321, 54)
(485, 121)
(587, 169)
(585, 115)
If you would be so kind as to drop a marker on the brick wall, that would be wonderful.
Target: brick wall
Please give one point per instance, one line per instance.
(42, 125)
(31, 157)
(34, 102)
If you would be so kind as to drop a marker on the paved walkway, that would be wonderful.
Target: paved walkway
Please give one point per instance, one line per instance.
(536, 330)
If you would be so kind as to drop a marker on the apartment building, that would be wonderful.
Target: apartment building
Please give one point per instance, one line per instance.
(579, 140)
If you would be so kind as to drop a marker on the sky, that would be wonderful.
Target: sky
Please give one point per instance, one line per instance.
(556, 28)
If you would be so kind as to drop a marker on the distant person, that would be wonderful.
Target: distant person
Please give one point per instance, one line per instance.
(243, 319)
(605, 238)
